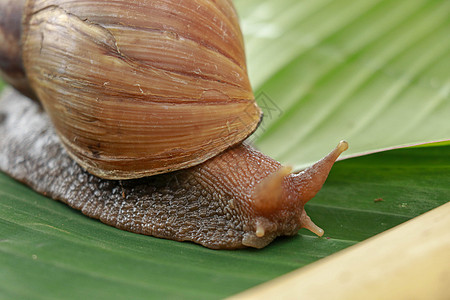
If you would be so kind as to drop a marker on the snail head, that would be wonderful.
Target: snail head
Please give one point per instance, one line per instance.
(279, 200)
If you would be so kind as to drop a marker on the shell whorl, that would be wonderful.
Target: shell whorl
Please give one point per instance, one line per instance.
(138, 88)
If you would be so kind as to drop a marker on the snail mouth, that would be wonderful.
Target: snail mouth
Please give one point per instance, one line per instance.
(260, 233)
(264, 231)
(251, 240)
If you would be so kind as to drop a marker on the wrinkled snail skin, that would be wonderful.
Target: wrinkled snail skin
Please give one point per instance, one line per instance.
(240, 198)
(129, 89)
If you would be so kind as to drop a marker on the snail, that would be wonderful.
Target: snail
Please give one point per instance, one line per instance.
(143, 112)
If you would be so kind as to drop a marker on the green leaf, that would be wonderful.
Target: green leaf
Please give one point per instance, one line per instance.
(376, 73)
(49, 250)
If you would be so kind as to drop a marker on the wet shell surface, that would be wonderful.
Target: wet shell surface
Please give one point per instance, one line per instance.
(138, 88)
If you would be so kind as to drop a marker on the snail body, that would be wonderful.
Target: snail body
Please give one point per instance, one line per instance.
(165, 93)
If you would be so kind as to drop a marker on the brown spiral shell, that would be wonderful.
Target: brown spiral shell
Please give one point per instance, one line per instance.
(137, 88)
